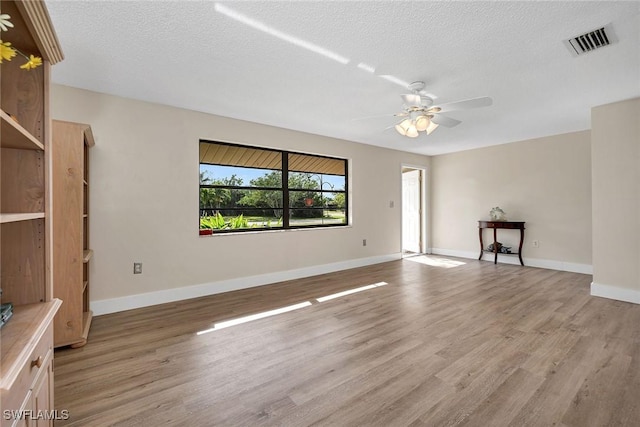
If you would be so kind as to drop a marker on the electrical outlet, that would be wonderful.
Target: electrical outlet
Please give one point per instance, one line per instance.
(535, 244)
(137, 268)
(364, 242)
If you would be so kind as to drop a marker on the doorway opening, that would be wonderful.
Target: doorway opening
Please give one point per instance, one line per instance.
(413, 211)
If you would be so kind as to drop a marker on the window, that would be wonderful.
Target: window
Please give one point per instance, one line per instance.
(245, 188)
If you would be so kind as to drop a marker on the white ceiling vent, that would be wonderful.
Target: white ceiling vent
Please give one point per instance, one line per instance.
(588, 42)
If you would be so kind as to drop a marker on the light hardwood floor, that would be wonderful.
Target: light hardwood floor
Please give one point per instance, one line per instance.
(474, 344)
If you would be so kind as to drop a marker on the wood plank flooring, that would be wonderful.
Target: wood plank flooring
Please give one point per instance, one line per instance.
(457, 342)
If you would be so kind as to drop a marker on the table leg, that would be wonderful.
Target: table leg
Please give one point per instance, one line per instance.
(481, 244)
(495, 246)
(520, 247)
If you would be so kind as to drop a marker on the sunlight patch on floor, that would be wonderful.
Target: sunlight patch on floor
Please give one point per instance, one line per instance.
(256, 316)
(350, 291)
(262, 315)
(436, 262)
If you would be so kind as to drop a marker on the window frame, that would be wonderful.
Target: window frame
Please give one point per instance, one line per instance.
(284, 189)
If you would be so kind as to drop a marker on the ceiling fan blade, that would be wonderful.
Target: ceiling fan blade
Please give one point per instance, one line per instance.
(445, 121)
(467, 104)
(429, 95)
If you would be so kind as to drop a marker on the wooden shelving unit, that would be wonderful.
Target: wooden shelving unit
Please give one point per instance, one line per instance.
(26, 353)
(70, 171)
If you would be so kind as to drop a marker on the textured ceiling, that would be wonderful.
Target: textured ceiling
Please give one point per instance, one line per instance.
(319, 67)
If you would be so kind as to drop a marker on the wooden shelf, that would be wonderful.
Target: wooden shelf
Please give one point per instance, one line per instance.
(86, 255)
(15, 136)
(500, 253)
(15, 217)
(20, 335)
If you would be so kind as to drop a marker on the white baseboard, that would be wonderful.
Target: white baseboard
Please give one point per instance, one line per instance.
(614, 292)
(511, 259)
(130, 302)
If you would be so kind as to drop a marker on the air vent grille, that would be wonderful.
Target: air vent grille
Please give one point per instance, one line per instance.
(590, 41)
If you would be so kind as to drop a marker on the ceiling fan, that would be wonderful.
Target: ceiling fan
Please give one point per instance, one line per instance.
(420, 115)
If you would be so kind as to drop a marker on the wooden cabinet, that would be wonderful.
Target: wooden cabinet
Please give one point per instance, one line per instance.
(27, 383)
(71, 256)
(25, 238)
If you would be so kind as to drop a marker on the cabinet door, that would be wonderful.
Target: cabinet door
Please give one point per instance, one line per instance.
(41, 402)
(22, 420)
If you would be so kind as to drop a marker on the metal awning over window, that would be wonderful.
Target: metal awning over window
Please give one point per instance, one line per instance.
(232, 155)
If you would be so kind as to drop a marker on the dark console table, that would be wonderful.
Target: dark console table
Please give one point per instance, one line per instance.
(509, 225)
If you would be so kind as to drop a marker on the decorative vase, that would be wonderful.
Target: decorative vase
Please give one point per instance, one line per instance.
(497, 214)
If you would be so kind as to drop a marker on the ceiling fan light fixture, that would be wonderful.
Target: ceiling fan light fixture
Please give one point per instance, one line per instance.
(422, 116)
(432, 126)
(422, 122)
(403, 127)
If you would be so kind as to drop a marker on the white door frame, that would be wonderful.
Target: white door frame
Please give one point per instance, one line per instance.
(424, 206)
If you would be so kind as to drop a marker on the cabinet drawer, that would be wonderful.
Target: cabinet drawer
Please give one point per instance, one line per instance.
(41, 355)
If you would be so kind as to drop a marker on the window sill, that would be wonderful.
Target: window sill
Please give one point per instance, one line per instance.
(241, 233)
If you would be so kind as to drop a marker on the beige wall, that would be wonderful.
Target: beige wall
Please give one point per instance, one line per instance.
(545, 182)
(144, 203)
(616, 200)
